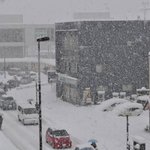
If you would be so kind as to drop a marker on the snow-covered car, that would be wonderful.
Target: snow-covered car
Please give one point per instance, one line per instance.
(58, 138)
(12, 83)
(143, 99)
(129, 109)
(109, 104)
(86, 146)
(7, 103)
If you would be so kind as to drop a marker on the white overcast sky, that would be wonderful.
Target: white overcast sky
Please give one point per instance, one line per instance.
(51, 11)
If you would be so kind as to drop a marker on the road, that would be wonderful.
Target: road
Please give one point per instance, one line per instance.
(27, 137)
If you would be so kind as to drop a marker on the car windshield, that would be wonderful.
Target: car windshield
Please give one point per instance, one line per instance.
(30, 111)
(60, 133)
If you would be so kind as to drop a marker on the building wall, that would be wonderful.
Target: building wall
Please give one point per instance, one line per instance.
(108, 55)
(19, 40)
(35, 31)
(11, 41)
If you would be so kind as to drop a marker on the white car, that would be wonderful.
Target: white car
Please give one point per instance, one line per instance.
(109, 104)
(85, 146)
(129, 109)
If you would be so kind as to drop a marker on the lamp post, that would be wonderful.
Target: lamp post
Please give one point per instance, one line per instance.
(43, 39)
(128, 145)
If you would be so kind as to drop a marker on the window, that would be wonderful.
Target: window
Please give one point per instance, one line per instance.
(30, 111)
(74, 67)
(99, 68)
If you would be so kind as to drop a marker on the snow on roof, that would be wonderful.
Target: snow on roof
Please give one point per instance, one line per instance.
(26, 105)
(122, 93)
(138, 139)
(81, 146)
(5, 96)
(142, 89)
(144, 98)
(115, 93)
(15, 69)
(101, 92)
(3, 79)
(130, 105)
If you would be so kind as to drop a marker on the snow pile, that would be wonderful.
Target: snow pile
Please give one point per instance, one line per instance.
(129, 108)
(111, 103)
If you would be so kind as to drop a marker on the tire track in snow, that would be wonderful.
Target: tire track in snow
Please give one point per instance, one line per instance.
(20, 136)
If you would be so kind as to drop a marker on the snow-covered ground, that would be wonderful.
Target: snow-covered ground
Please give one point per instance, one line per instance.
(82, 122)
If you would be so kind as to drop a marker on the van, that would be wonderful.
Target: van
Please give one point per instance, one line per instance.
(27, 114)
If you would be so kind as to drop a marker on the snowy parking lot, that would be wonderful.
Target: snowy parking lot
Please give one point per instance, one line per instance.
(81, 122)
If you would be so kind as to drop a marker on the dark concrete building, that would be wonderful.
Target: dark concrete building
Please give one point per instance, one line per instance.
(110, 56)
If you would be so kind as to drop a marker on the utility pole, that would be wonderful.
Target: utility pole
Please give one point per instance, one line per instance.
(128, 145)
(39, 91)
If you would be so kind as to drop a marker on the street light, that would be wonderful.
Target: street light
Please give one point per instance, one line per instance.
(43, 39)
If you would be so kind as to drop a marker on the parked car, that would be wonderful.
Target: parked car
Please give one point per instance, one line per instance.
(26, 79)
(13, 71)
(143, 99)
(12, 83)
(85, 146)
(7, 103)
(58, 138)
(129, 109)
(110, 104)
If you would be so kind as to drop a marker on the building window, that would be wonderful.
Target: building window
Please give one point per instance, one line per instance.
(127, 87)
(74, 67)
(102, 88)
(99, 68)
